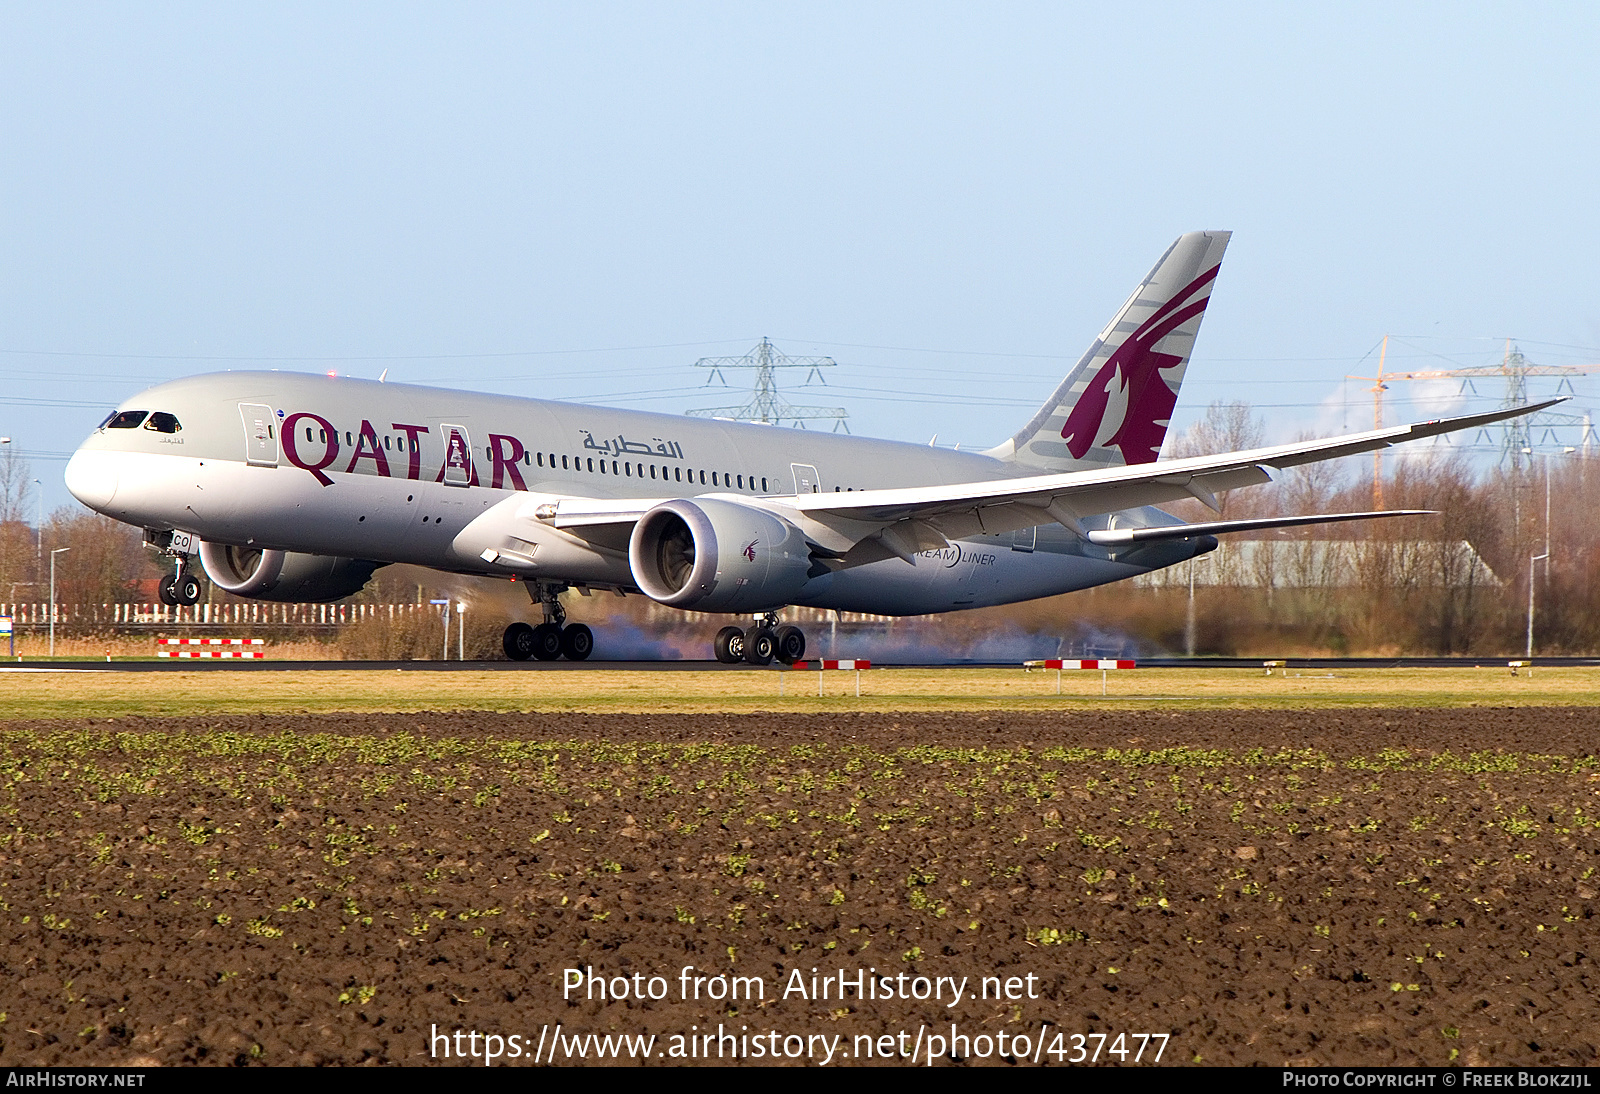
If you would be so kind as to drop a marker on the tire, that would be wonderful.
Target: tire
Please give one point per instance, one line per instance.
(187, 591)
(577, 642)
(791, 644)
(164, 591)
(518, 641)
(547, 641)
(759, 646)
(729, 646)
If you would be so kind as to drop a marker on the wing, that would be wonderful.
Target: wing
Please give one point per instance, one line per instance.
(905, 521)
(868, 525)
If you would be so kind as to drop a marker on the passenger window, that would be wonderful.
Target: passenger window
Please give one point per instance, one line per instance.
(763, 484)
(702, 478)
(591, 465)
(741, 482)
(713, 478)
(128, 419)
(163, 422)
(541, 459)
(563, 463)
(652, 471)
(386, 446)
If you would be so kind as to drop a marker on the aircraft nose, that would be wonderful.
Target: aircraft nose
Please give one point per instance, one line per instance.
(92, 478)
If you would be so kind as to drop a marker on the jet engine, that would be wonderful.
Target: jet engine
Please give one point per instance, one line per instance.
(718, 556)
(283, 575)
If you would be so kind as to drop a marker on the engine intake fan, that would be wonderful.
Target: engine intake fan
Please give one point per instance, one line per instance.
(718, 556)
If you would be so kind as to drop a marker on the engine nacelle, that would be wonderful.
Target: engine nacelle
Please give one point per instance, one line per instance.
(718, 556)
(283, 575)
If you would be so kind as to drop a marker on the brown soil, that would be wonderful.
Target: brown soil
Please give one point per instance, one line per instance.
(1372, 887)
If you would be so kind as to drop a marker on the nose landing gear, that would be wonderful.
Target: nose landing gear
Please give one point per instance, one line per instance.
(182, 587)
(551, 639)
(762, 644)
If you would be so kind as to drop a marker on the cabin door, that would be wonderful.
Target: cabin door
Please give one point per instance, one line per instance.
(805, 479)
(260, 435)
(457, 455)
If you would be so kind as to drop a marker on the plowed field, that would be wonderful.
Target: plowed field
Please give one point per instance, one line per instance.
(1334, 887)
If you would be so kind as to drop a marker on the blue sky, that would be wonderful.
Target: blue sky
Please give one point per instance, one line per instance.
(578, 201)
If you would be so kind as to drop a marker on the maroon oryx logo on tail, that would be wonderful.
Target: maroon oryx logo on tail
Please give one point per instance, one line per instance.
(1135, 367)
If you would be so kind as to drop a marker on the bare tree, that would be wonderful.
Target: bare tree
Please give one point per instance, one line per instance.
(17, 555)
(16, 484)
(1227, 427)
(106, 559)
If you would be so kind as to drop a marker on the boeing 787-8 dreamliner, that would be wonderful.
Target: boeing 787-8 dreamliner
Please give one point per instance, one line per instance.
(297, 487)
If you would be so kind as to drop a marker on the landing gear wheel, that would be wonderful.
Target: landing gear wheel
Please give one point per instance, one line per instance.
(518, 641)
(186, 589)
(729, 646)
(547, 641)
(791, 644)
(759, 646)
(577, 642)
(164, 590)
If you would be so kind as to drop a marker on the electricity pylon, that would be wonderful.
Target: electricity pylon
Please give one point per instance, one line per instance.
(765, 404)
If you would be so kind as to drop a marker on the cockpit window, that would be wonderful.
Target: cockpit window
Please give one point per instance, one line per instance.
(128, 419)
(162, 422)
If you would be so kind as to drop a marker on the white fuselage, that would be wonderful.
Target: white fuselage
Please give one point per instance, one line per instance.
(357, 469)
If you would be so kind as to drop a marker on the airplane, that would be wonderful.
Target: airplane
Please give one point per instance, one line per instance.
(297, 487)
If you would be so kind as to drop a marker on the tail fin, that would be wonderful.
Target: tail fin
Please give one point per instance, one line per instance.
(1115, 406)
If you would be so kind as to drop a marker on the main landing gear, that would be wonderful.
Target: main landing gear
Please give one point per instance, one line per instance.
(762, 644)
(552, 638)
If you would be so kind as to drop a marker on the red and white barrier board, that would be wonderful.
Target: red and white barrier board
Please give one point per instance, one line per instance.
(211, 641)
(1105, 665)
(237, 654)
(819, 667)
(252, 654)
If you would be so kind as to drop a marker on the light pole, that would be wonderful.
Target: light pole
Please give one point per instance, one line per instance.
(1531, 560)
(1546, 556)
(53, 555)
(1189, 620)
(461, 630)
(444, 606)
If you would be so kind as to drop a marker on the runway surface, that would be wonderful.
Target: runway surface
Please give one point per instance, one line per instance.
(715, 666)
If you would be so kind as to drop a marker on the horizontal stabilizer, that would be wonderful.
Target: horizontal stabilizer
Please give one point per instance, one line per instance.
(1117, 536)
